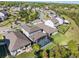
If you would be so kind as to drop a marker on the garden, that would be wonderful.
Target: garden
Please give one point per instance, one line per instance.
(63, 28)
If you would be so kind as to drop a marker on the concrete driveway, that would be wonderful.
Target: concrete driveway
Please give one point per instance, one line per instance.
(4, 30)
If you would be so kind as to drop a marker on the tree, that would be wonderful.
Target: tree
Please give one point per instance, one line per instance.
(36, 47)
(73, 48)
(44, 54)
(65, 53)
(29, 15)
(23, 13)
(57, 54)
(57, 51)
(51, 53)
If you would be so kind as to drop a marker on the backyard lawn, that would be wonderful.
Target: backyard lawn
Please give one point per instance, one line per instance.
(26, 55)
(60, 39)
(1, 37)
(71, 34)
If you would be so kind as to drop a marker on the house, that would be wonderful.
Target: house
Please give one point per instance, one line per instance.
(27, 30)
(66, 8)
(49, 23)
(40, 38)
(35, 34)
(54, 19)
(1, 8)
(29, 7)
(37, 21)
(18, 42)
(47, 29)
(66, 22)
(3, 15)
(60, 20)
(24, 8)
(55, 22)
(46, 25)
(15, 8)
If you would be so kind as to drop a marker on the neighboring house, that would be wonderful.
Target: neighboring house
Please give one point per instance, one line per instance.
(18, 42)
(47, 29)
(66, 8)
(24, 8)
(14, 8)
(1, 8)
(35, 34)
(29, 7)
(40, 38)
(28, 30)
(66, 21)
(37, 8)
(46, 25)
(37, 21)
(3, 15)
(50, 23)
(55, 21)
(60, 20)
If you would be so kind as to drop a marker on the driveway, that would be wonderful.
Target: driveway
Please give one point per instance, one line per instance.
(4, 30)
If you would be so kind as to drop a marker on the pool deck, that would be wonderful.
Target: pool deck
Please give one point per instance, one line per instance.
(46, 45)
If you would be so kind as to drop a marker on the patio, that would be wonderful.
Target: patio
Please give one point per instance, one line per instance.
(23, 50)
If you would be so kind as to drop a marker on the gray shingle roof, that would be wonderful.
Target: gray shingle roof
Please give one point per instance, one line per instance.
(30, 29)
(37, 35)
(55, 21)
(17, 40)
(46, 28)
(5, 13)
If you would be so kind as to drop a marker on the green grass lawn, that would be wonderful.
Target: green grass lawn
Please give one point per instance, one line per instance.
(49, 46)
(5, 23)
(1, 37)
(60, 39)
(26, 55)
(71, 34)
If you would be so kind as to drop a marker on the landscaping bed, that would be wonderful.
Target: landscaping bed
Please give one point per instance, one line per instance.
(63, 28)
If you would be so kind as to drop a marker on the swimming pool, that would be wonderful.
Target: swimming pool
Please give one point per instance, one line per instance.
(43, 42)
